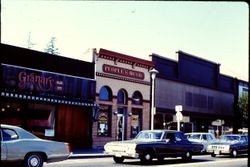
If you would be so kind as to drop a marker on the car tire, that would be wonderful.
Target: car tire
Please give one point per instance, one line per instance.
(118, 159)
(213, 155)
(146, 157)
(33, 160)
(187, 156)
(234, 153)
(160, 158)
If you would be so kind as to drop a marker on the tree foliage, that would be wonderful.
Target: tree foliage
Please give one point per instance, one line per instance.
(51, 48)
(243, 107)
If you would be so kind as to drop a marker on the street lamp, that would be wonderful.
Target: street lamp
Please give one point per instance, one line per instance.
(153, 73)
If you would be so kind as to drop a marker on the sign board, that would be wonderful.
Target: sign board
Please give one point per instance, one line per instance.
(179, 116)
(218, 122)
(49, 132)
(46, 84)
(184, 119)
(178, 108)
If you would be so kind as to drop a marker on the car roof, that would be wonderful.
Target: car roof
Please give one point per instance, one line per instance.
(198, 133)
(162, 130)
(20, 131)
(233, 135)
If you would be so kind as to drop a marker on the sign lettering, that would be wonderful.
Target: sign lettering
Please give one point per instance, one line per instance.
(123, 71)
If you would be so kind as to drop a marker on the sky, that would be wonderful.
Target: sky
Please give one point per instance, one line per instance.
(215, 31)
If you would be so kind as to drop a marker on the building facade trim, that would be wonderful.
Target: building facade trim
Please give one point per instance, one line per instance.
(121, 78)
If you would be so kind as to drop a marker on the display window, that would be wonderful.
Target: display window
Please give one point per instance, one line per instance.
(104, 121)
(136, 122)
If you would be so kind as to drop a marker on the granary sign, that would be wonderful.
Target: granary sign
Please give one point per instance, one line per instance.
(42, 83)
(123, 71)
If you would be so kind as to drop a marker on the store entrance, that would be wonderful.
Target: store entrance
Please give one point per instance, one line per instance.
(120, 125)
(73, 126)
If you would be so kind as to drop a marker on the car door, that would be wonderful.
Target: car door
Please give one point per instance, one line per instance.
(167, 146)
(3, 148)
(244, 144)
(181, 145)
(10, 144)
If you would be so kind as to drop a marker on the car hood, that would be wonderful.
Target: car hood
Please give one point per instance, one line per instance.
(195, 140)
(226, 142)
(133, 141)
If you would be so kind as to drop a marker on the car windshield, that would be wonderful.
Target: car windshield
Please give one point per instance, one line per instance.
(149, 135)
(230, 138)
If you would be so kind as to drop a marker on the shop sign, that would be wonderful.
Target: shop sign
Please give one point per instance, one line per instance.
(218, 122)
(42, 83)
(122, 71)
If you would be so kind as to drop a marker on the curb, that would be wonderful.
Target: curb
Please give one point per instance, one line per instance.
(78, 156)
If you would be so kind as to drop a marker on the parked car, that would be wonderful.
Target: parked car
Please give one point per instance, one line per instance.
(19, 145)
(201, 137)
(232, 145)
(149, 144)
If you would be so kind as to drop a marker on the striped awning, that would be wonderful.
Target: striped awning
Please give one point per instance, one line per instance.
(46, 99)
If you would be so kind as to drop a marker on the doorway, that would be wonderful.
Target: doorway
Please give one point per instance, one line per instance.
(120, 125)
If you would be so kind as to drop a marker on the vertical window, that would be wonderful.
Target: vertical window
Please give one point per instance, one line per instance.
(104, 121)
(136, 122)
(105, 94)
(122, 97)
(9, 134)
(210, 102)
(137, 98)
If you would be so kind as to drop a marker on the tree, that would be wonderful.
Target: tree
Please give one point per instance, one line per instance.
(51, 48)
(243, 108)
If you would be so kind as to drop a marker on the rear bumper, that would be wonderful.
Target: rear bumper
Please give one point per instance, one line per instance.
(123, 154)
(58, 158)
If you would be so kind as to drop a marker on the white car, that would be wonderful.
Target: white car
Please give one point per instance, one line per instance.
(19, 145)
(233, 145)
(201, 137)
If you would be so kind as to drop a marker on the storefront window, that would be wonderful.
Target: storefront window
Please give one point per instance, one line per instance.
(104, 121)
(135, 122)
(105, 94)
(137, 98)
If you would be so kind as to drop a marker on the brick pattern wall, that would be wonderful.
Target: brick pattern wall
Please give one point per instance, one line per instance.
(99, 141)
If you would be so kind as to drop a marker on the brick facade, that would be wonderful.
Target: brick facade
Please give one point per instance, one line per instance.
(131, 75)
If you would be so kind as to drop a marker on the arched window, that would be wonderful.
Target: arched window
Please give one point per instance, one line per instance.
(137, 98)
(122, 97)
(105, 94)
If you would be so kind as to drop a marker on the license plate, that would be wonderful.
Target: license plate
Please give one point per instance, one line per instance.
(216, 152)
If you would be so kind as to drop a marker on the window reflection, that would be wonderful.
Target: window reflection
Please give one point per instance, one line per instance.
(105, 94)
(137, 98)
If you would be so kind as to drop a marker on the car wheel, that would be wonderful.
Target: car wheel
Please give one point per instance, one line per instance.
(146, 158)
(213, 155)
(187, 156)
(160, 158)
(33, 160)
(234, 153)
(118, 159)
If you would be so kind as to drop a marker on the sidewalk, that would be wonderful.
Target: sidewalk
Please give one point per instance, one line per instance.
(88, 153)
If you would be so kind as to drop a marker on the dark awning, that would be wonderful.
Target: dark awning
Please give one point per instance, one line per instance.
(47, 99)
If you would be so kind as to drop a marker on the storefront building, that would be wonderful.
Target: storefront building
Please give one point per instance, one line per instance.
(206, 96)
(123, 96)
(48, 95)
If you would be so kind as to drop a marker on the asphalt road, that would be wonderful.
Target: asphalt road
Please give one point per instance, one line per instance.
(197, 161)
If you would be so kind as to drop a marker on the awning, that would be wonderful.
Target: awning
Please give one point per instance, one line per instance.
(46, 99)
